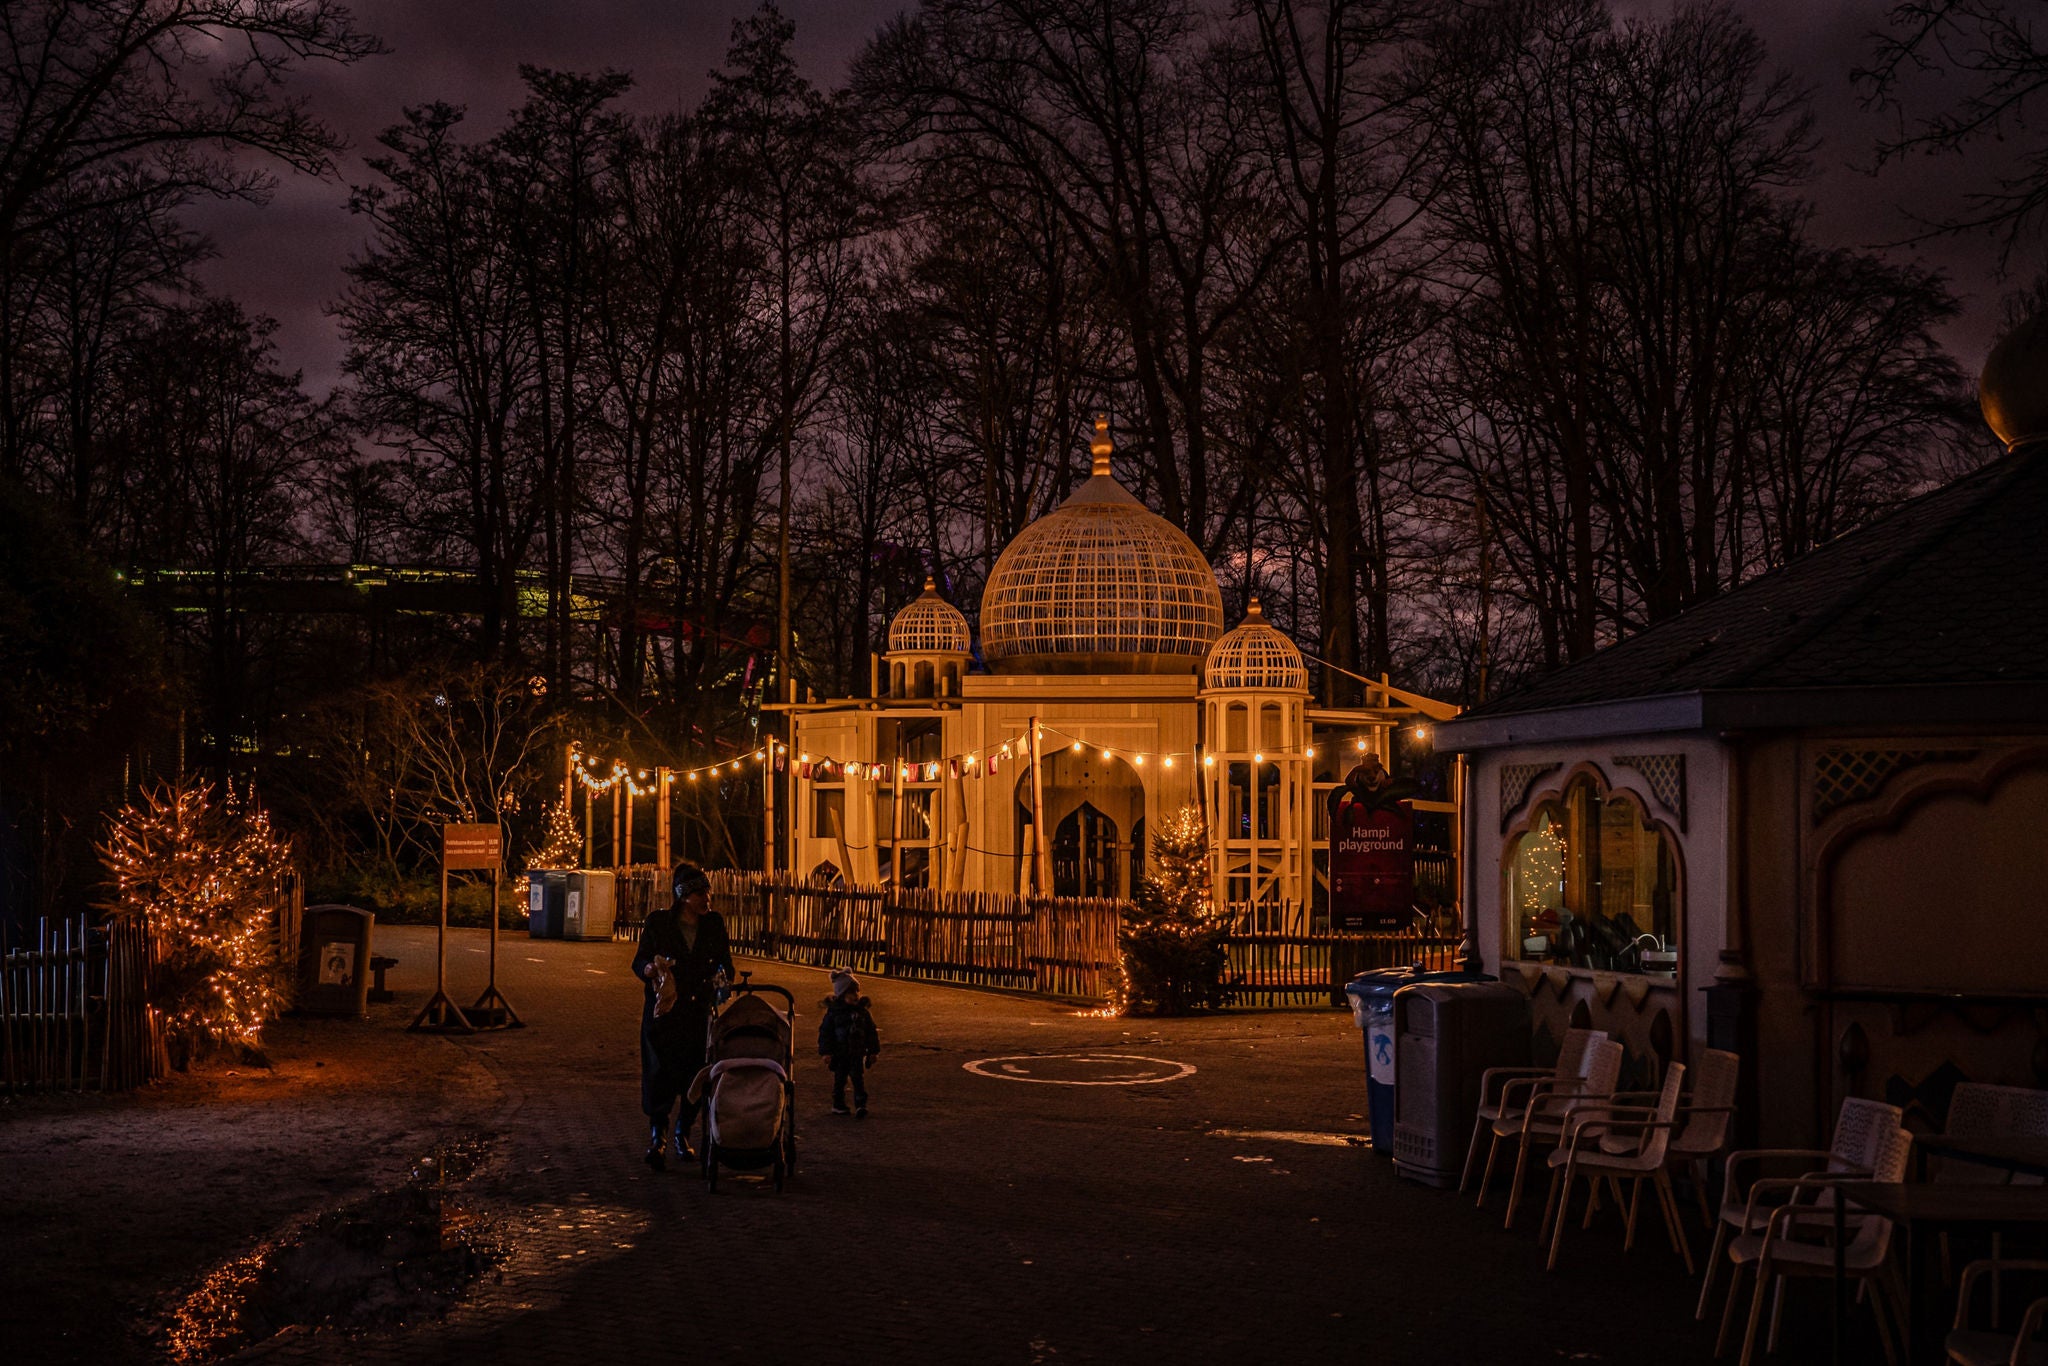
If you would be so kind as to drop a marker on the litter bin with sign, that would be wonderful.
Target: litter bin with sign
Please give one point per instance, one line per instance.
(1371, 996)
(1446, 1034)
(334, 961)
(547, 891)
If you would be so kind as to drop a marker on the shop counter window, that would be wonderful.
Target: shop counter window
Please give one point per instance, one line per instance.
(1592, 882)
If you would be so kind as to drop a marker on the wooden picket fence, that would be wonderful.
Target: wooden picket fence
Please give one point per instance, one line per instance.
(1296, 969)
(1060, 946)
(75, 1009)
(1057, 946)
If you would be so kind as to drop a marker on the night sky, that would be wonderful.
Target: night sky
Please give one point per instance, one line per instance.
(285, 258)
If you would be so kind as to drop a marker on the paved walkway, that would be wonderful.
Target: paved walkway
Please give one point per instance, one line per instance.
(1219, 1217)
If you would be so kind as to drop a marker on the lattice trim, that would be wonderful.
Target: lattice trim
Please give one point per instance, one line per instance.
(1665, 774)
(1515, 782)
(1845, 777)
(1255, 655)
(929, 625)
(1099, 577)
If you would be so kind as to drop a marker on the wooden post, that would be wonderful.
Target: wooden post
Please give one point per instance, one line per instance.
(1041, 851)
(568, 774)
(589, 828)
(628, 861)
(661, 851)
(768, 805)
(896, 820)
(617, 783)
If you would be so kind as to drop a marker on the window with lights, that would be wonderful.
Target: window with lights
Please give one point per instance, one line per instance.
(1591, 881)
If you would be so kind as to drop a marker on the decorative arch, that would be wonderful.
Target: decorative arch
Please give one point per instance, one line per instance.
(1592, 923)
(1913, 888)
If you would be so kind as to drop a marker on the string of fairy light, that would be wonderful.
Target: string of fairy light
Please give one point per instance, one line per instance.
(600, 776)
(990, 758)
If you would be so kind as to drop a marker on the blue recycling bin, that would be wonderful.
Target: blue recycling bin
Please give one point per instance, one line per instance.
(547, 894)
(1371, 995)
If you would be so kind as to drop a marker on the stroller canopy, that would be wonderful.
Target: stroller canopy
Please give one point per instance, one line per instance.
(751, 1028)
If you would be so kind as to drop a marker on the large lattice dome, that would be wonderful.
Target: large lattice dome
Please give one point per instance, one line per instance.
(928, 625)
(1100, 585)
(1253, 654)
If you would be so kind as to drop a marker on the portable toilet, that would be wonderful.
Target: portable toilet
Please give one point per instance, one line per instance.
(591, 907)
(546, 891)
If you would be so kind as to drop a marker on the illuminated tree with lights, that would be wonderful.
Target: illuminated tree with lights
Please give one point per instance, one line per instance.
(561, 843)
(1173, 936)
(200, 871)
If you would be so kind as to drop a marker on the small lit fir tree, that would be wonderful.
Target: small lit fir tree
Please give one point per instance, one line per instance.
(201, 873)
(561, 844)
(1173, 937)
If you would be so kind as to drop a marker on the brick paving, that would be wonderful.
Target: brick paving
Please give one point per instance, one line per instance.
(1215, 1218)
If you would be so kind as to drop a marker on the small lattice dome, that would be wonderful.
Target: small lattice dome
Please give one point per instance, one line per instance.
(1100, 585)
(929, 625)
(1253, 654)
(2013, 390)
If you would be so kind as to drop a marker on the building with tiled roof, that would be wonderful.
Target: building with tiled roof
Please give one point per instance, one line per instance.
(1824, 792)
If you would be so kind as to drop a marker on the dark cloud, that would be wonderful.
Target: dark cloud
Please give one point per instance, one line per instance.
(285, 258)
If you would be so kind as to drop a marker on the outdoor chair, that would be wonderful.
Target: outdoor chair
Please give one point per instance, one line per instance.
(1707, 1121)
(1613, 1142)
(1981, 1110)
(1986, 1346)
(1534, 1111)
(1797, 1241)
(1860, 1130)
(1493, 1081)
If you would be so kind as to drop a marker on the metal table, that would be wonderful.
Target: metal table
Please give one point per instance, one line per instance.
(1935, 1206)
(2006, 1152)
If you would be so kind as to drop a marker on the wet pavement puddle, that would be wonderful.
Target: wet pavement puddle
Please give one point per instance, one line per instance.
(393, 1257)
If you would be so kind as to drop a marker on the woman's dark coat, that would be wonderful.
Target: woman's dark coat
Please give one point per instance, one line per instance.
(672, 1047)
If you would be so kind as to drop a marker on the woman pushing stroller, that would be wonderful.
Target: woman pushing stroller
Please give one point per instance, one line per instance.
(682, 960)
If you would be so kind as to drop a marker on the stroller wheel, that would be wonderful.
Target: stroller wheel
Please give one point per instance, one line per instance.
(710, 1166)
(778, 1175)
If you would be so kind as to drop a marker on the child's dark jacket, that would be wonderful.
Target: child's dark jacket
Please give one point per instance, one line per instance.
(847, 1033)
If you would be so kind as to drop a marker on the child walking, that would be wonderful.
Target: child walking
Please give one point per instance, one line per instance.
(847, 1037)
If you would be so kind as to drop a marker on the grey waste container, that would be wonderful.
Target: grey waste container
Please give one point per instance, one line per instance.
(334, 961)
(547, 891)
(1371, 996)
(1446, 1034)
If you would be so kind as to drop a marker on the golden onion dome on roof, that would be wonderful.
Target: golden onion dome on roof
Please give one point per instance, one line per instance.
(1100, 585)
(2013, 391)
(1253, 654)
(928, 625)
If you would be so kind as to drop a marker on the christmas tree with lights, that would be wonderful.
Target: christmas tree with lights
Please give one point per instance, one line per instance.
(1173, 937)
(561, 844)
(202, 874)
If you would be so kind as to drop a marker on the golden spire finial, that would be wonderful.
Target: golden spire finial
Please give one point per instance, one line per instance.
(1100, 447)
(931, 585)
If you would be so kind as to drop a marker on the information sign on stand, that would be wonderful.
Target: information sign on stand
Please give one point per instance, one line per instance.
(468, 848)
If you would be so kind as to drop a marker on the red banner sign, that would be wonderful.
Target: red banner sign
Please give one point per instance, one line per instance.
(1372, 866)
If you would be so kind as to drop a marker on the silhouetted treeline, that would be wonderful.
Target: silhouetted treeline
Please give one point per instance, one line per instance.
(1469, 336)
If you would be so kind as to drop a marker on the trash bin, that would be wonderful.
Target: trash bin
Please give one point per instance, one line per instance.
(546, 890)
(591, 905)
(1446, 1034)
(334, 961)
(1371, 996)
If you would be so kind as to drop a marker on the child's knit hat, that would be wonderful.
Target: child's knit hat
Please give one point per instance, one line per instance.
(844, 983)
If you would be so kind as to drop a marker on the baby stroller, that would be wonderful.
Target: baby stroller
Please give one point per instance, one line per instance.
(748, 1093)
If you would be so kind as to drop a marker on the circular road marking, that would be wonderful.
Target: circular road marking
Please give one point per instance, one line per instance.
(1081, 1069)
